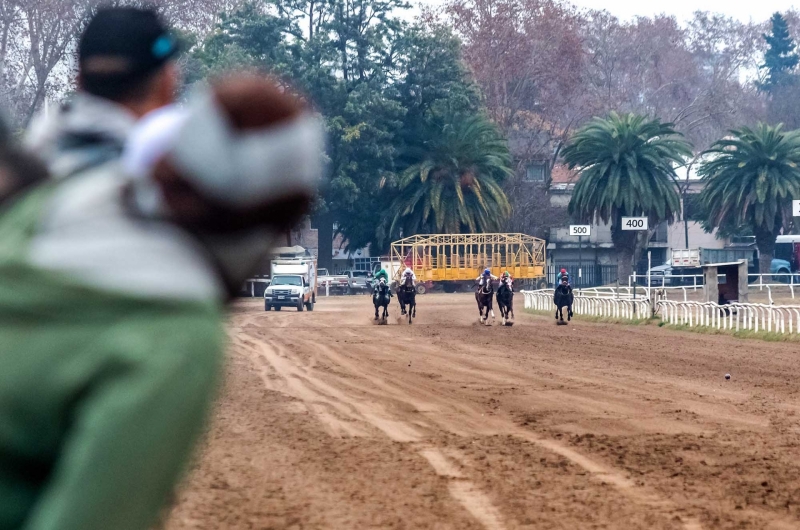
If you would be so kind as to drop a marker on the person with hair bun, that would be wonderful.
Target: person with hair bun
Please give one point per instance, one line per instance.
(112, 291)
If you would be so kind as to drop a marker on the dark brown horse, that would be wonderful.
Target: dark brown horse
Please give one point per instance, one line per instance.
(563, 297)
(381, 299)
(505, 301)
(484, 295)
(407, 296)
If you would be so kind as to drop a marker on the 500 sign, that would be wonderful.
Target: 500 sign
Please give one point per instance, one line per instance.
(580, 230)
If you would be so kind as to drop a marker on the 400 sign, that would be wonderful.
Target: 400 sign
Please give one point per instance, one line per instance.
(634, 223)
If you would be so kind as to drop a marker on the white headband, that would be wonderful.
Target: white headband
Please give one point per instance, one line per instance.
(244, 167)
(152, 137)
(241, 168)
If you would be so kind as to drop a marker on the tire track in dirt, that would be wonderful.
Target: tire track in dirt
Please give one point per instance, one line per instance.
(641, 432)
(600, 472)
(299, 383)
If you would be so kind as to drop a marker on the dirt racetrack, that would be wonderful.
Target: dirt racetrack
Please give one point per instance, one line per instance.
(329, 421)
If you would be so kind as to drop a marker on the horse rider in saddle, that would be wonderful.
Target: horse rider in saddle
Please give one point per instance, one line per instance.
(486, 276)
(409, 274)
(508, 280)
(382, 274)
(563, 275)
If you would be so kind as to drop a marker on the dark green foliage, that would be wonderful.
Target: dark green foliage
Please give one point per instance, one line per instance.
(383, 88)
(751, 178)
(781, 57)
(626, 164)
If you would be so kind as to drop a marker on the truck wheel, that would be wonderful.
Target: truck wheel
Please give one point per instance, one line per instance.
(310, 306)
(267, 307)
(300, 305)
(541, 284)
(421, 289)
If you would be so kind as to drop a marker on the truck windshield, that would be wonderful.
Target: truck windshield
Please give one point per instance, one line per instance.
(287, 280)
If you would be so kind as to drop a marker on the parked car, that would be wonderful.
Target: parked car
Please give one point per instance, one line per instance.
(335, 284)
(358, 282)
(659, 275)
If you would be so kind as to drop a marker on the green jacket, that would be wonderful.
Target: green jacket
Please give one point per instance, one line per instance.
(102, 394)
(382, 274)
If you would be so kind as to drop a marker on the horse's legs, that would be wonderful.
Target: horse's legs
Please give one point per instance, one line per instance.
(376, 311)
(569, 312)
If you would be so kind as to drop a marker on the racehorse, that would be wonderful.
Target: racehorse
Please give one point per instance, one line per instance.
(381, 299)
(484, 296)
(407, 295)
(563, 297)
(505, 301)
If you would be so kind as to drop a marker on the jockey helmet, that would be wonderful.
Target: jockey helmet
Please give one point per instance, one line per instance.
(563, 271)
(506, 274)
(487, 272)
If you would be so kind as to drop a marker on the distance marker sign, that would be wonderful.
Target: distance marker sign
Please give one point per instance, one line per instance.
(634, 223)
(580, 230)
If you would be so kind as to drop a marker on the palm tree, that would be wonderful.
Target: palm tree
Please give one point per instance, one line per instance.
(750, 178)
(626, 164)
(454, 182)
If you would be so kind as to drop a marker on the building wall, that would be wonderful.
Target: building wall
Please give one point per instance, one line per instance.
(698, 238)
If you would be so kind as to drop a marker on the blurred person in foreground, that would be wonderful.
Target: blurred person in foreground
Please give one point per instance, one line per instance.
(126, 69)
(112, 286)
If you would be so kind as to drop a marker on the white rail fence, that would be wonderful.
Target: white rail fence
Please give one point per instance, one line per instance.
(600, 306)
(734, 316)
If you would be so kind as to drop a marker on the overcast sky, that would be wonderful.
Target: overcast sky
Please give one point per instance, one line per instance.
(744, 10)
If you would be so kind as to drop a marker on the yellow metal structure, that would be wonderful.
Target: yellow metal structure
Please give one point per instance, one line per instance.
(463, 257)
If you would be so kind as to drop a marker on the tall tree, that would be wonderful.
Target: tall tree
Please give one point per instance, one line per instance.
(456, 185)
(781, 57)
(378, 83)
(751, 178)
(626, 164)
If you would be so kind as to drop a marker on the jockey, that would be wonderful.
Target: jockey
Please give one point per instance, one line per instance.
(562, 274)
(408, 273)
(381, 274)
(508, 279)
(487, 275)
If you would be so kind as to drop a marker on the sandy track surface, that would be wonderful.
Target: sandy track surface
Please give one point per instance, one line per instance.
(330, 421)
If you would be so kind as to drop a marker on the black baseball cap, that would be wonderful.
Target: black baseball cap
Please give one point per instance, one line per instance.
(123, 44)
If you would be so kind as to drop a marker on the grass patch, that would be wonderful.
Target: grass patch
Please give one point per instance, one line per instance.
(769, 336)
(599, 320)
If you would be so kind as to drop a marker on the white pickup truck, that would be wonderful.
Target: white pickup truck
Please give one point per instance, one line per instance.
(293, 284)
(336, 284)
